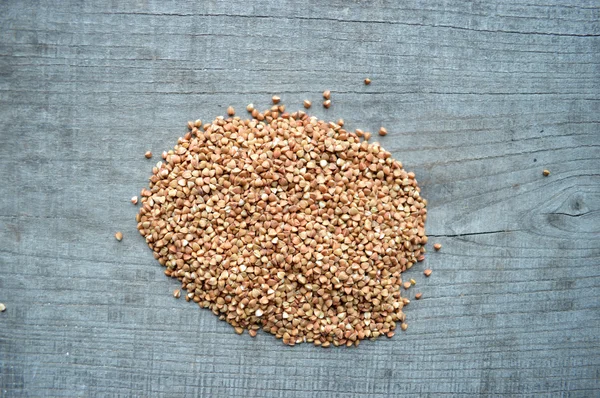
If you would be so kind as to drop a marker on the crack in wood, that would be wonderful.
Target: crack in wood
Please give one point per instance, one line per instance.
(472, 233)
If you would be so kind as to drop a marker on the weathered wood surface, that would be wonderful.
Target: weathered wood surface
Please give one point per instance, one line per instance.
(479, 97)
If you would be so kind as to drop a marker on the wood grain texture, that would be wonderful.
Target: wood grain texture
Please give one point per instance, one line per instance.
(478, 96)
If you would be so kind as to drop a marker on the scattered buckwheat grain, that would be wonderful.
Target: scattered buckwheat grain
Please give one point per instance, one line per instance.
(287, 223)
(119, 236)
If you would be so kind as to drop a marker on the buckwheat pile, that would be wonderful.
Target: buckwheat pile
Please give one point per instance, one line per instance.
(288, 224)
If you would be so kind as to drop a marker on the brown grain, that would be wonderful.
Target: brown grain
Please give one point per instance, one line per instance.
(119, 236)
(427, 272)
(546, 173)
(289, 224)
(148, 154)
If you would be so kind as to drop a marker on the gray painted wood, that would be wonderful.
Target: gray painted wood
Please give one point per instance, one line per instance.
(479, 97)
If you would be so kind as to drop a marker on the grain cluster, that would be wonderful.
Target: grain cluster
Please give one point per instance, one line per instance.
(288, 224)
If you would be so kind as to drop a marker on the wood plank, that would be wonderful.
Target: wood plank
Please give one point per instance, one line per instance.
(478, 98)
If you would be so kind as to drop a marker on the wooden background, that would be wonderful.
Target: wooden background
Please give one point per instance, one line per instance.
(479, 97)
